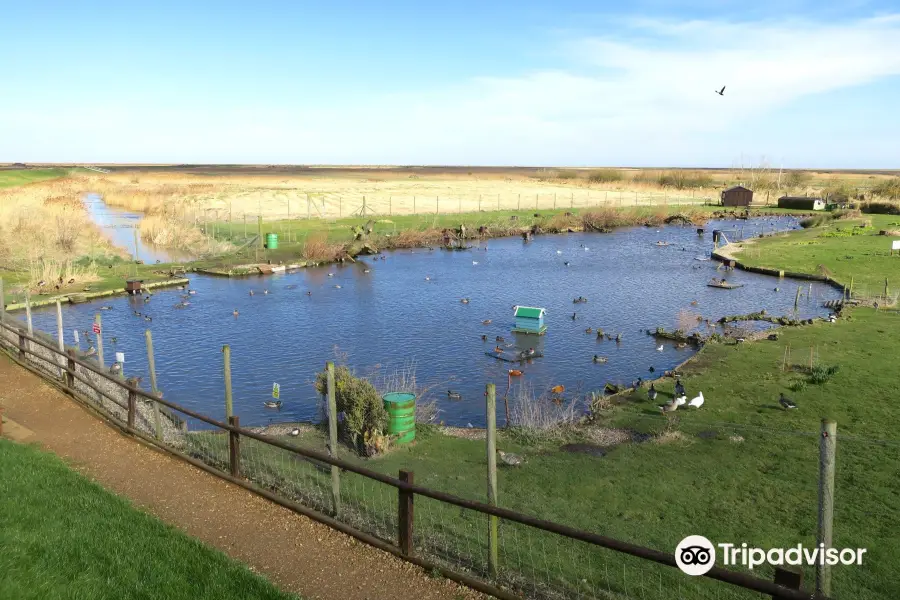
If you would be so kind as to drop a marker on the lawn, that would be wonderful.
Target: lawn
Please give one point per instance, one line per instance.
(14, 177)
(845, 250)
(64, 536)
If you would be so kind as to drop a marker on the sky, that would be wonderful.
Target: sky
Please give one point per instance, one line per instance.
(584, 83)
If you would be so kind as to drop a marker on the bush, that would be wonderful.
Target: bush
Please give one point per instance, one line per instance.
(881, 208)
(795, 178)
(567, 174)
(683, 179)
(604, 176)
(364, 416)
(820, 374)
(888, 188)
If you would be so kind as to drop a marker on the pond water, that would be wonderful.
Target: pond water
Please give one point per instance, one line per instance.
(120, 225)
(381, 319)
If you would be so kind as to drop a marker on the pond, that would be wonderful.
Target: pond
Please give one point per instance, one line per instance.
(407, 307)
(121, 226)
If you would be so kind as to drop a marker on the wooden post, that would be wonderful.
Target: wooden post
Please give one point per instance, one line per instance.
(571, 199)
(70, 373)
(390, 206)
(850, 291)
(519, 203)
(793, 580)
(493, 530)
(229, 407)
(414, 205)
(2, 302)
(131, 410)
(885, 290)
(60, 336)
(827, 448)
(437, 205)
(28, 313)
(554, 200)
(22, 352)
(234, 447)
(797, 298)
(479, 202)
(99, 322)
(333, 439)
(152, 365)
(405, 517)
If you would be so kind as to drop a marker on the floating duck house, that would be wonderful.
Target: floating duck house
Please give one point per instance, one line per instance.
(530, 319)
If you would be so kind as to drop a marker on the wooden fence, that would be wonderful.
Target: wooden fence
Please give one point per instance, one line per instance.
(79, 378)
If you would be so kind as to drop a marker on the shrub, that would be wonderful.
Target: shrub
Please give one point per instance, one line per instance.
(604, 176)
(364, 416)
(567, 174)
(683, 179)
(317, 249)
(888, 188)
(820, 374)
(881, 208)
(795, 178)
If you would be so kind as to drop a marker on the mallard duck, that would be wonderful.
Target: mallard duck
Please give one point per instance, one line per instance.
(515, 373)
(148, 318)
(454, 395)
(251, 292)
(484, 338)
(272, 403)
(486, 322)
(508, 458)
(235, 312)
(558, 389)
(113, 339)
(500, 339)
(265, 292)
(589, 330)
(600, 359)
(465, 300)
(498, 349)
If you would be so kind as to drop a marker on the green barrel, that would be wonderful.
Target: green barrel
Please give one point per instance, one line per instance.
(401, 409)
(272, 241)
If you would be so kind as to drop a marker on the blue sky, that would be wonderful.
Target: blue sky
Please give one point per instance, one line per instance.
(500, 83)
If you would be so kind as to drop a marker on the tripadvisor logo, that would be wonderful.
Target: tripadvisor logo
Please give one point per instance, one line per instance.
(696, 555)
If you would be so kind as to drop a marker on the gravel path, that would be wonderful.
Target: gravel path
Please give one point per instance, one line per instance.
(296, 553)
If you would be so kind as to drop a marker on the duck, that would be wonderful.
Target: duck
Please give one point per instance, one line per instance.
(113, 340)
(558, 389)
(498, 349)
(667, 408)
(559, 251)
(106, 308)
(71, 281)
(464, 300)
(484, 337)
(295, 432)
(331, 274)
(486, 322)
(637, 383)
(566, 263)
(427, 278)
(508, 458)
(265, 292)
(660, 348)
(194, 292)
(454, 395)
(694, 303)
(337, 287)
(148, 318)
(235, 312)
(652, 369)
(589, 330)
(136, 313)
(651, 393)
(308, 293)
(251, 292)
(680, 401)
(500, 339)
(272, 403)
(474, 262)
(600, 359)
(180, 287)
(698, 401)
(515, 373)
(574, 316)
(679, 388)
(785, 402)
(90, 351)
(367, 270)
(115, 368)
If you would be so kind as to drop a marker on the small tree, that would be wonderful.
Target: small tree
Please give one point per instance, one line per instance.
(364, 414)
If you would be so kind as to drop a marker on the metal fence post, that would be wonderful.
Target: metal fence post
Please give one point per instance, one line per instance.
(827, 447)
(234, 447)
(333, 438)
(493, 521)
(226, 354)
(405, 516)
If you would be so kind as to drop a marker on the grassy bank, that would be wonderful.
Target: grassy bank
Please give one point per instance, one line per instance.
(843, 249)
(16, 177)
(66, 537)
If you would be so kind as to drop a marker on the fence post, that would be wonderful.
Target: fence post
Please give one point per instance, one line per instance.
(792, 580)
(493, 541)
(226, 352)
(850, 291)
(307, 206)
(131, 410)
(99, 322)
(28, 314)
(479, 202)
(340, 206)
(333, 439)
(157, 423)
(405, 517)
(390, 206)
(519, 203)
(59, 334)
(554, 200)
(414, 205)
(22, 352)
(2, 302)
(70, 373)
(827, 447)
(234, 447)
(437, 205)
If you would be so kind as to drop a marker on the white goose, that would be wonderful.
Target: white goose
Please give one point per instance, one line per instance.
(680, 401)
(697, 402)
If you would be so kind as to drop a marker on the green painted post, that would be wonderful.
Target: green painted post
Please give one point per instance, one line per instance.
(229, 406)
(157, 422)
(333, 439)
(494, 522)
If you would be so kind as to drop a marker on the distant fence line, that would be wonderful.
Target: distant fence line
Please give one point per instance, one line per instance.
(529, 557)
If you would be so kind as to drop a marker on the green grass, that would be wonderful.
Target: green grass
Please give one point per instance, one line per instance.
(14, 177)
(64, 536)
(863, 256)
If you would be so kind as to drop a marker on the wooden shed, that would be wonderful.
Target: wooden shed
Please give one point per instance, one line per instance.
(801, 203)
(530, 319)
(737, 196)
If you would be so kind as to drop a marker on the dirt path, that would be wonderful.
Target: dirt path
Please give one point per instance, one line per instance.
(295, 552)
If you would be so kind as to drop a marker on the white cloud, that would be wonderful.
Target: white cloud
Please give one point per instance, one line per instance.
(626, 93)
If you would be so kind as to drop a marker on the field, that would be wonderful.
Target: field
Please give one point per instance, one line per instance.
(66, 537)
(844, 249)
(16, 177)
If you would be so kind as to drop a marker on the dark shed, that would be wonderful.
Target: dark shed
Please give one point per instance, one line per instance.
(801, 203)
(737, 196)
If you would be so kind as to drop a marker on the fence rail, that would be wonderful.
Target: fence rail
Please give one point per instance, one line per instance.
(250, 459)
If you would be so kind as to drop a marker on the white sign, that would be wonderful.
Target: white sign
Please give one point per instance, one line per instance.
(75, 332)
(276, 390)
(895, 245)
(120, 357)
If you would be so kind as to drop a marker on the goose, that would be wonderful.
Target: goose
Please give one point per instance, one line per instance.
(651, 393)
(637, 383)
(786, 403)
(515, 373)
(660, 348)
(486, 322)
(697, 402)
(180, 287)
(508, 458)
(295, 432)
(454, 395)
(600, 359)
(679, 388)
(720, 92)
(498, 349)
(272, 403)
(667, 408)
(115, 368)
(574, 315)
(680, 401)
(235, 312)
